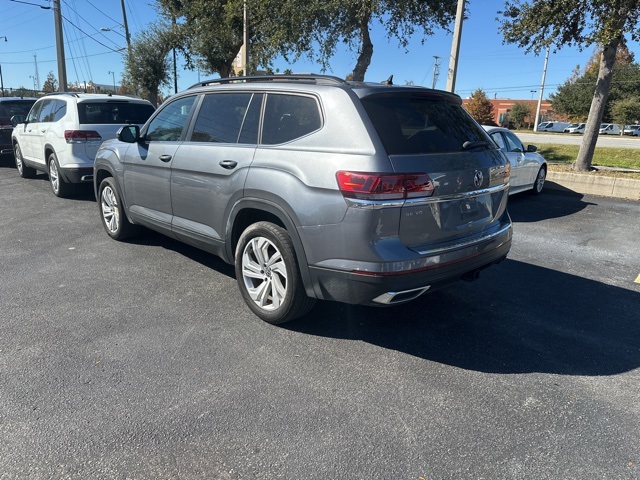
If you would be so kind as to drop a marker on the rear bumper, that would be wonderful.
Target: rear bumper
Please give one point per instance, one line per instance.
(77, 175)
(380, 289)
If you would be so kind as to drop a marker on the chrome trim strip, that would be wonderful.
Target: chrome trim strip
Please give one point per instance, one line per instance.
(480, 239)
(412, 202)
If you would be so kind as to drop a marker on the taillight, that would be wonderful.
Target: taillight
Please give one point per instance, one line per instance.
(81, 136)
(376, 186)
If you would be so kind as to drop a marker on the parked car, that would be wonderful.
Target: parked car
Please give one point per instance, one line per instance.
(315, 188)
(552, 126)
(528, 167)
(62, 132)
(575, 128)
(633, 130)
(9, 107)
(610, 129)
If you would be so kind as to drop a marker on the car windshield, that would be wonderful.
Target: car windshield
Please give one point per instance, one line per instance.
(14, 107)
(423, 123)
(114, 112)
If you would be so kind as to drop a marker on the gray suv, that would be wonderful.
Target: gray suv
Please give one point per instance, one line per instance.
(314, 188)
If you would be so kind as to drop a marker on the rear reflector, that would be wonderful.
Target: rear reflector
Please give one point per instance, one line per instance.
(376, 186)
(81, 136)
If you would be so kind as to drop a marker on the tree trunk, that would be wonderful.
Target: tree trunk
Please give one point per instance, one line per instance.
(366, 52)
(598, 104)
(153, 96)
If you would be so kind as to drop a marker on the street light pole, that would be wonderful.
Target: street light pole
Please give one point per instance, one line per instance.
(113, 75)
(544, 76)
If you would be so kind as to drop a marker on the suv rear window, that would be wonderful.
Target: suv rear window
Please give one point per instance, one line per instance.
(14, 107)
(421, 123)
(113, 112)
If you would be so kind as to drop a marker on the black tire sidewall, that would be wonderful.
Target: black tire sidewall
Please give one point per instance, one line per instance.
(279, 237)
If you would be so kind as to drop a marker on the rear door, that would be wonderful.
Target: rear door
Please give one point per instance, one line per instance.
(210, 168)
(431, 133)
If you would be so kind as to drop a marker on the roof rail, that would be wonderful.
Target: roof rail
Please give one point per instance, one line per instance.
(311, 78)
(73, 94)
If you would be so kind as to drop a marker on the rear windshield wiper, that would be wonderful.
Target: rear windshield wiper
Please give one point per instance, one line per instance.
(469, 145)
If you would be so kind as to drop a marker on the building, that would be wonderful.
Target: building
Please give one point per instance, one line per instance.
(502, 106)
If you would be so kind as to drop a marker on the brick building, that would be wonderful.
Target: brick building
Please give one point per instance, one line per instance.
(502, 106)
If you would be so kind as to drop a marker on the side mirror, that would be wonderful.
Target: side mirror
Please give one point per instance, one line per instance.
(532, 148)
(129, 134)
(17, 119)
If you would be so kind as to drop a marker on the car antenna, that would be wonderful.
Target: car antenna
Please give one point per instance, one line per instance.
(388, 81)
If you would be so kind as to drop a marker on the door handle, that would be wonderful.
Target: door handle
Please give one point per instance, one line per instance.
(165, 158)
(228, 164)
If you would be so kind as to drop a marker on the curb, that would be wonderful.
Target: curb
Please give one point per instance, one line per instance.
(627, 188)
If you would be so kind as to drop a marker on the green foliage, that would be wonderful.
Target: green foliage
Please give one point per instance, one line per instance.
(480, 108)
(626, 111)
(573, 98)
(519, 115)
(147, 62)
(211, 30)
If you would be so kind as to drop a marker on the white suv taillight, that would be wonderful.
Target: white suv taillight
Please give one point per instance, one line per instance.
(376, 186)
(82, 136)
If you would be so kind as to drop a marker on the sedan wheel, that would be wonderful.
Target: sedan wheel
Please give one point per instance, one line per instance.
(539, 183)
(268, 275)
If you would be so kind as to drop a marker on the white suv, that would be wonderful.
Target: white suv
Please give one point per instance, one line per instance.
(63, 131)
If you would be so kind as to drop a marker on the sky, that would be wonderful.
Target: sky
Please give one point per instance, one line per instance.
(93, 53)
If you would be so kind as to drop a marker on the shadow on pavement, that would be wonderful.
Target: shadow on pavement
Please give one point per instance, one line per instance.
(524, 207)
(518, 318)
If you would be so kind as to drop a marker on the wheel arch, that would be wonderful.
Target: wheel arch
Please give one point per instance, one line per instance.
(249, 211)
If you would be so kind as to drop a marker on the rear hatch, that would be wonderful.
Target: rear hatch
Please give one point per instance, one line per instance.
(8, 109)
(425, 132)
(101, 120)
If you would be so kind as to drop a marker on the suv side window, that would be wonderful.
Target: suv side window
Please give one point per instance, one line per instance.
(221, 117)
(35, 112)
(59, 110)
(46, 114)
(497, 137)
(170, 122)
(287, 117)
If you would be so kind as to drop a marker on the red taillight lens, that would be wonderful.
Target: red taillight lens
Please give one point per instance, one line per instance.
(375, 186)
(80, 136)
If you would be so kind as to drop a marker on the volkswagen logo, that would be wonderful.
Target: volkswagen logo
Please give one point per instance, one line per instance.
(477, 178)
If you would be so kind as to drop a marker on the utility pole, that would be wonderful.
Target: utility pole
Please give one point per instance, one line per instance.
(245, 41)
(544, 76)
(126, 27)
(455, 48)
(436, 71)
(62, 65)
(1, 80)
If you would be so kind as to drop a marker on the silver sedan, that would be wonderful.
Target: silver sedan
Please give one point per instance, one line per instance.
(528, 167)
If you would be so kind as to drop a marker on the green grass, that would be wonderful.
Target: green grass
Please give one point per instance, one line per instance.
(606, 157)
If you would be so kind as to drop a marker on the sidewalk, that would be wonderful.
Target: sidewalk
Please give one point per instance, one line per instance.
(628, 188)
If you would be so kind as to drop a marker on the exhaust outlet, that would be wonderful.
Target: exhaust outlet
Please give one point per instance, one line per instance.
(471, 276)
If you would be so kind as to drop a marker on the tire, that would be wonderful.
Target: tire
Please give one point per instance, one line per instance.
(268, 275)
(538, 185)
(58, 184)
(114, 219)
(23, 170)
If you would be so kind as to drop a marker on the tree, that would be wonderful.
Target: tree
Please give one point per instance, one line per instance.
(480, 108)
(147, 63)
(573, 98)
(50, 84)
(519, 113)
(212, 29)
(540, 24)
(626, 111)
(210, 32)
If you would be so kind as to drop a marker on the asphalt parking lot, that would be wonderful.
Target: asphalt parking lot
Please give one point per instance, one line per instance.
(140, 360)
